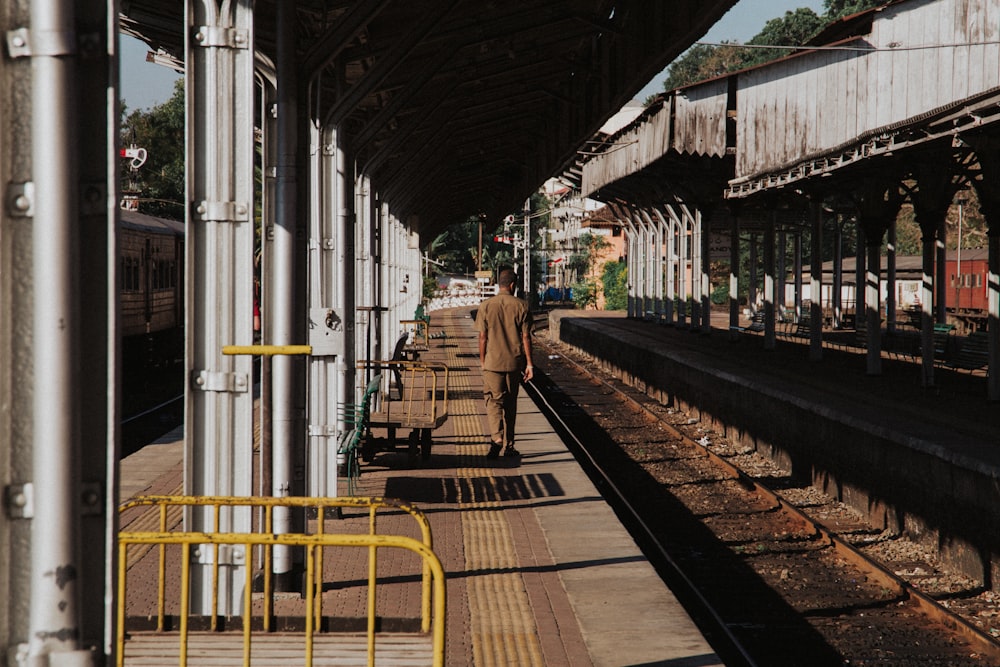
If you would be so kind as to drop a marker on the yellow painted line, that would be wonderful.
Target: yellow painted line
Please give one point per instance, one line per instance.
(149, 521)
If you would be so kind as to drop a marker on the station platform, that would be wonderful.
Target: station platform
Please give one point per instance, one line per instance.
(539, 570)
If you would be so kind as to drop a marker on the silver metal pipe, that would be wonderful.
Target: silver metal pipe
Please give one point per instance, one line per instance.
(55, 551)
(283, 309)
(344, 279)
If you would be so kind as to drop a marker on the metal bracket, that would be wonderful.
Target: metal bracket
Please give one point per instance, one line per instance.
(217, 36)
(19, 499)
(91, 499)
(21, 200)
(93, 199)
(221, 211)
(220, 381)
(24, 43)
(229, 554)
(323, 430)
(326, 332)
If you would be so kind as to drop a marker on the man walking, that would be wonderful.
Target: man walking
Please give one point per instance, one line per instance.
(504, 326)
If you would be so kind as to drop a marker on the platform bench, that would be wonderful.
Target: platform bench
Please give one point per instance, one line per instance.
(974, 353)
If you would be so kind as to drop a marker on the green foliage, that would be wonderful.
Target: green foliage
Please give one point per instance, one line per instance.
(836, 9)
(614, 280)
(793, 28)
(720, 295)
(689, 68)
(590, 247)
(585, 294)
(430, 286)
(161, 132)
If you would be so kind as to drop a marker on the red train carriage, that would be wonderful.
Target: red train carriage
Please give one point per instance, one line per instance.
(967, 279)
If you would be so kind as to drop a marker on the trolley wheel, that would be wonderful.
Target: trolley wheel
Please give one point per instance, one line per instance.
(413, 445)
(368, 449)
(425, 443)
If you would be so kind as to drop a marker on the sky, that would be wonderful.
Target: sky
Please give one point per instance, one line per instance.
(145, 85)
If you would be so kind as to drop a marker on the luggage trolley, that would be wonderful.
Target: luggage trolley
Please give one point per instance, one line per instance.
(414, 395)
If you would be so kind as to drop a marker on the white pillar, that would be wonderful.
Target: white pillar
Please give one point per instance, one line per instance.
(218, 429)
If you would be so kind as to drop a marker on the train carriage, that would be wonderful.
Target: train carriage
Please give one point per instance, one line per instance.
(151, 266)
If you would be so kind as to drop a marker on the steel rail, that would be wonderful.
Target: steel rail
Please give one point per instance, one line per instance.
(928, 605)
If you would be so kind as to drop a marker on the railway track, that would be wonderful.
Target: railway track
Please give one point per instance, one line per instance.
(140, 429)
(773, 571)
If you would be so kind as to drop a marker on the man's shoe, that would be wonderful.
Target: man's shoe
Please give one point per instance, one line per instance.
(494, 451)
(510, 451)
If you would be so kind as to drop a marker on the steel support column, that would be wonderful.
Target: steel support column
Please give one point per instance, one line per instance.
(816, 285)
(836, 296)
(770, 284)
(59, 407)
(671, 265)
(873, 298)
(734, 277)
(632, 264)
(656, 272)
(218, 425)
(705, 254)
(797, 262)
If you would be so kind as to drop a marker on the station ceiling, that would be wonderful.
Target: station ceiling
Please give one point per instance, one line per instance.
(461, 107)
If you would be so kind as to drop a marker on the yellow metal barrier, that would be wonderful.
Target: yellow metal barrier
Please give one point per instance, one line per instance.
(432, 575)
(267, 350)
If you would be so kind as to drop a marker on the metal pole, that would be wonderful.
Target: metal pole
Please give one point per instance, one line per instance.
(706, 273)
(816, 285)
(218, 421)
(283, 308)
(345, 275)
(55, 552)
(734, 277)
(770, 284)
(958, 259)
(527, 248)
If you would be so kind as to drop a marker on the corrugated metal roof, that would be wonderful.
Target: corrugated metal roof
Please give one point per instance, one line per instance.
(462, 107)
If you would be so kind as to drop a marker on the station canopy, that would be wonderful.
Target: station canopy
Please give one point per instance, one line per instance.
(462, 107)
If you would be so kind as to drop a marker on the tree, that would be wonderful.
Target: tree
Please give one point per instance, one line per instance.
(689, 67)
(590, 247)
(793, 29)
(585, 294)
(614, 280)
(836, 9)
(161, 132)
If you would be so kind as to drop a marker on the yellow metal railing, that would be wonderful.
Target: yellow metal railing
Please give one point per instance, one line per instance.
(267, 350)
(432, 580)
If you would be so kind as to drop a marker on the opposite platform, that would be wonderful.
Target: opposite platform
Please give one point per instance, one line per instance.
(539, 569)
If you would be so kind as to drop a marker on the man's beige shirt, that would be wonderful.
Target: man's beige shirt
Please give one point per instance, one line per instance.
(503, 318)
